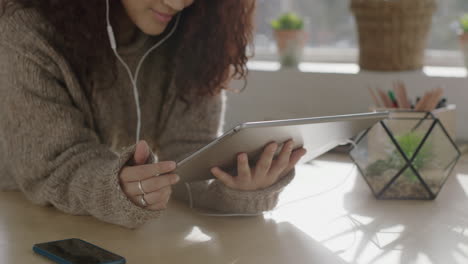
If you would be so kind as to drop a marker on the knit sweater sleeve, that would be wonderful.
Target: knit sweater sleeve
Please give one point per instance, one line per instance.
(54, 154)
(190, 130)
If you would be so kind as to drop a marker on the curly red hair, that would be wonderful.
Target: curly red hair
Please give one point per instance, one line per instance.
(214, 39)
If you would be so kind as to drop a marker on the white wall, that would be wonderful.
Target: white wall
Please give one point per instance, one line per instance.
(294, 94)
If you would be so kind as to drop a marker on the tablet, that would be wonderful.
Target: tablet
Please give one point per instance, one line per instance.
(316, 134)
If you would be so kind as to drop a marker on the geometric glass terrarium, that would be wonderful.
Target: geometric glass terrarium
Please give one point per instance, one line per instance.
(408, 156)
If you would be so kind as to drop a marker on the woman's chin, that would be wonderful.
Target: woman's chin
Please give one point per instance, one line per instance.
(153, 30)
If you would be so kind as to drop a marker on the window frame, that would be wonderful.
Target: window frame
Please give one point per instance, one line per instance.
(443, 58)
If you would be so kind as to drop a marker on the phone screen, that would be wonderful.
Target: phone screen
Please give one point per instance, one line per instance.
(78, 251)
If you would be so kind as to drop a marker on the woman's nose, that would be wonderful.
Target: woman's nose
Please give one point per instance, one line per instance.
(177, 5)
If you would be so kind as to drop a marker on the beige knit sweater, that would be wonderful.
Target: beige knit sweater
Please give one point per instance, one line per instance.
(61, 149)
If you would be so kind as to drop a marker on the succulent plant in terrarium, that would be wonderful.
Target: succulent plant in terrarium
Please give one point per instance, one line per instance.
(409, 143)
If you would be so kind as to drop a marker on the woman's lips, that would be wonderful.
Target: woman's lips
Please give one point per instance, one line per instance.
(164, 18)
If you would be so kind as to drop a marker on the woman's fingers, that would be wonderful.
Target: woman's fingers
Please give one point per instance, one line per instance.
(223, 176)
(142, 152)
(153, 201)
(158, 196)
(267, 170)
(296, 155)
(264, 163)
(143, 172)
(159, 182)
(243, 167)
(282, 161)
(150, 185)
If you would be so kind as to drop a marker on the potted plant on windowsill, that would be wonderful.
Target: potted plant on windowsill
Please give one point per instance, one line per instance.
(290, 38)
(463, 35)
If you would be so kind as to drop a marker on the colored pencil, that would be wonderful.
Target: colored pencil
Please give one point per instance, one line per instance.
(374, 97)
(384, 97)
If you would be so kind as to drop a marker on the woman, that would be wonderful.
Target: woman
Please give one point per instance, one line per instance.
(67, 108)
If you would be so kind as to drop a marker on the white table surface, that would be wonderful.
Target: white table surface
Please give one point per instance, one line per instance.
(327, 215)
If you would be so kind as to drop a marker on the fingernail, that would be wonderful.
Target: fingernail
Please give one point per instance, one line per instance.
(176, 179)
(172, 165)
(214, 169)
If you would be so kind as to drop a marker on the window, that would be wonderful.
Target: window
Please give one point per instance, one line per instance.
(332, 31)
(444, 24)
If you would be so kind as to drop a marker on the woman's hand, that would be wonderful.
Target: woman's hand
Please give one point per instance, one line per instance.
(267, 170)
(148, 186)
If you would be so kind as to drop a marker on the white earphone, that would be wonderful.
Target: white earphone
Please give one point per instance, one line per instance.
(134, 78)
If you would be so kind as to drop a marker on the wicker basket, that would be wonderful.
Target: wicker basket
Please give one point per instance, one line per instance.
(392, 33)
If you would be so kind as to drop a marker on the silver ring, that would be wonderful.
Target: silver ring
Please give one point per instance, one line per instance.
(142, 201)
(141, 188)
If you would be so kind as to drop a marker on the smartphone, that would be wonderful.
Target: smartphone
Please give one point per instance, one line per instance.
(76, 251)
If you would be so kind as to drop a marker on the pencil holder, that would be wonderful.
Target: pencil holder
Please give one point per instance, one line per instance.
(408, 156)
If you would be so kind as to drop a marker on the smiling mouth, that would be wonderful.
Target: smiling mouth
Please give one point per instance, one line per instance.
(162, 17)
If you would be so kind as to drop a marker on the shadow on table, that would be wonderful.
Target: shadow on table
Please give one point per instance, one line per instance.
(203, 239)
(179, 236)
(436, 229)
